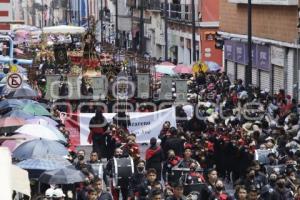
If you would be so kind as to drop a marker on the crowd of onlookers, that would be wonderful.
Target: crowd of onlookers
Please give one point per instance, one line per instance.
(240, 143)
(247, 139)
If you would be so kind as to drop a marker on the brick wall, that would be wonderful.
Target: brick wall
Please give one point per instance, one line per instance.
(271, 22)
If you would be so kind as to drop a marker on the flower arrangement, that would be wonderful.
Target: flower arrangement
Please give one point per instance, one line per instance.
(75, 70)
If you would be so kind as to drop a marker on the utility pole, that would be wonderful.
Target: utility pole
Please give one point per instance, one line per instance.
(79, 12)
(194, 30)
(117, 25)
(42, 24)
(248, 71)
(101, 18)
(142, 28)
(70, 12)
(166, 29)
(88, 13)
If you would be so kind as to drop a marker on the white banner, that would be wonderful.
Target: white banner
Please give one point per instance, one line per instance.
(144, 125)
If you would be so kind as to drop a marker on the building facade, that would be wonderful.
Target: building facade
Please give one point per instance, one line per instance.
(6, 16)
(208, 26)
(179, 32)
(275, 43)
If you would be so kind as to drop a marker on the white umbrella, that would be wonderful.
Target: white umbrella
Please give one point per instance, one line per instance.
(40, 131)
(64, 29)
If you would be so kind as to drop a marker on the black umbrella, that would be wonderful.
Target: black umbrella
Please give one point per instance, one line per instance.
(39, 148)
(66, 175)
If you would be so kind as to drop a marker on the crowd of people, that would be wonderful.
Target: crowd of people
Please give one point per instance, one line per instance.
(247, 139)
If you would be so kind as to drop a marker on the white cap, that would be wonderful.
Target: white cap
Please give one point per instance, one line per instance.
(49, 192)
(58, 193)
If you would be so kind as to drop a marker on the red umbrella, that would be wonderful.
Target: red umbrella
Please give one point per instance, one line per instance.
(14, 141)
(11, 121)
(10, 124)
(167, 64)
(183, 69)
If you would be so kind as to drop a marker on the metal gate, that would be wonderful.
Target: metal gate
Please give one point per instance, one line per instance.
(230, 70)
(241, 72)
(278, 78)
(254, 76)
(264, 80)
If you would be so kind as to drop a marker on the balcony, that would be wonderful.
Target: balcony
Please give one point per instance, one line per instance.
(153, 5)
(180, 12)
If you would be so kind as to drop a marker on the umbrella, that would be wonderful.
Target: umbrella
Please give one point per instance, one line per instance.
(10, 103)
(12, 142)
(2, 75)
(10, 124)
(198, 67)
(167, 64)
(23, 93)
(19, 114)
(42, 164)
(164, 70)
(39, 131)
(64, 29)
(35, 109)
(46, 106)
(22, 33)
(212, 66)
(66, 175)
(183, 69)
(39, 148)
(42, 121)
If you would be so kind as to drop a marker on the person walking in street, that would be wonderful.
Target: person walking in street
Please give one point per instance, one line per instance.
(98, 126)
(154, 157)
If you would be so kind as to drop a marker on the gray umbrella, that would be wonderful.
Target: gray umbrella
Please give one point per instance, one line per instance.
(66, 175)
(39, 148)
(19, 114)
(23, 93)
(10, 103)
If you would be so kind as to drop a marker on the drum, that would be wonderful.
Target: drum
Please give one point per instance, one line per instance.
(177, 173)
(193, 188)
(123, 169)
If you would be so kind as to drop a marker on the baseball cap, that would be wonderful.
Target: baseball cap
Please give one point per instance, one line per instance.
(58, 193)
(49, 192)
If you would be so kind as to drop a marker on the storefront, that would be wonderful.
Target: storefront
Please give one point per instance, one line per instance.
(277, 61)
(236, 59)
(229, 60)
(262, 62)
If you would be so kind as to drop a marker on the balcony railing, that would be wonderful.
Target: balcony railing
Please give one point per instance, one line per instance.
(176, 12)
(179, 12)
(154, 5)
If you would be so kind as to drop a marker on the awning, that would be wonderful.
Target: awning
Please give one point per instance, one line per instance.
(210, 32)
